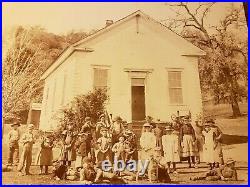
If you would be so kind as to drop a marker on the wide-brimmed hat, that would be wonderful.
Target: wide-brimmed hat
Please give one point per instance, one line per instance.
(30, 126)
(82, 134)
(146, 125)
(87, 118)
(103, 129)
(117, 118)
(102, 115)
(169, 128)
(157, 149)
(187, 117)
(16, 123)
(210, 120)
(148, 117)
(230, 161)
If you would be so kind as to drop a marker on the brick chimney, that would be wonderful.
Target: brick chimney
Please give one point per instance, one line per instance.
(109, 22)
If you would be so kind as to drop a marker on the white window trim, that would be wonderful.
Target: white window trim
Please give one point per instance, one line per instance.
(180, 69)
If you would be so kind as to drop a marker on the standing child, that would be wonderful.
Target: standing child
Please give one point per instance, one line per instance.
(104, 147)
(170, 143)
(13, 138)
(81, 148)
(45, 154)
(158, 134)
(26, 157)
(68, 140)
(119, 149)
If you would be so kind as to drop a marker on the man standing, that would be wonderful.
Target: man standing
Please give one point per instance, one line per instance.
(13, 138)
(26, 157)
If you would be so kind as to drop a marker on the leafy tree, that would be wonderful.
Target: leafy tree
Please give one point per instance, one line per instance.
(91, 104)
(224, 68)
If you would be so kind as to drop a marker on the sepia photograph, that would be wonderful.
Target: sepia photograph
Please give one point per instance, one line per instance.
(125, 93)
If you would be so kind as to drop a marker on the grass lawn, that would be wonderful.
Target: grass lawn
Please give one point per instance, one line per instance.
(235, 145)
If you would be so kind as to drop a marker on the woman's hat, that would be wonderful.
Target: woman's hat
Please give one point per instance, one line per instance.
(82, 134)
(16, 123)
(117, 118)
(210, 120)
(169, 128)
(230, 161)
(146, 125)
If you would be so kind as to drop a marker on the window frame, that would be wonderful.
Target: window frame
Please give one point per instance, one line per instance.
(103, 67)
(181, 70)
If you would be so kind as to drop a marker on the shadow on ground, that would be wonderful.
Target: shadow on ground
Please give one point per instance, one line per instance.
(233, 139)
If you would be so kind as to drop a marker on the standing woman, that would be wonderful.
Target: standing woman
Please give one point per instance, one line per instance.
(187, 139)
(148, 144)
(170, 143)
(218, 154)
(45, 154)
(208, 153)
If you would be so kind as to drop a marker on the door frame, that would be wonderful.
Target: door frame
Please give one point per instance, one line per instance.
(137, 73)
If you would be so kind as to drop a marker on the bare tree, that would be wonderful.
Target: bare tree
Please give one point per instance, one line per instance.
(226, 61)
(21, 73)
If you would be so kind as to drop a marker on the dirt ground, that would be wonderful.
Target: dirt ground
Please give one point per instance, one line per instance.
(181, 178)
(235, 146)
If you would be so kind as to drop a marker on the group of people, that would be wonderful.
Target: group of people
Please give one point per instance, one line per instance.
(92, 144)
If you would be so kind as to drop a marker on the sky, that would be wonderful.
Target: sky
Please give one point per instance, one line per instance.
(60, 18)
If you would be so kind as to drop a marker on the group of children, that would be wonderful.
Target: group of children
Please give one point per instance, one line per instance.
(89, 146)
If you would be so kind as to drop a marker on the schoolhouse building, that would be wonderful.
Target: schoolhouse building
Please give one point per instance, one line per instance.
(147, 68)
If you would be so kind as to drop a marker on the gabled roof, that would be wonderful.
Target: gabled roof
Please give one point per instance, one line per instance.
(191, 50)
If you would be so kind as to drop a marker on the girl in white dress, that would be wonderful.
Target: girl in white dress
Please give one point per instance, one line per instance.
(170, 143)
(209, 145)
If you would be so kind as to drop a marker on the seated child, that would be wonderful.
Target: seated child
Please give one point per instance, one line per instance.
(227, 172)
(59, 171)
(90, 174)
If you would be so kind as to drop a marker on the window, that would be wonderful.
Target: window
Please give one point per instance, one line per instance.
(100, 78)
(137, 82)
(175, 87)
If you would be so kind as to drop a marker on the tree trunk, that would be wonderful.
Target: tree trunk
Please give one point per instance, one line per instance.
(235, 106)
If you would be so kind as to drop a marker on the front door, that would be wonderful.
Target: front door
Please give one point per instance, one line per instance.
(138, 103)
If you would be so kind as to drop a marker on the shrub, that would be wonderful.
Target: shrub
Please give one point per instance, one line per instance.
(91, 104)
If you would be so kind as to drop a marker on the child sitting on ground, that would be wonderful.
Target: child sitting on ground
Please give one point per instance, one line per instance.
(226, 173)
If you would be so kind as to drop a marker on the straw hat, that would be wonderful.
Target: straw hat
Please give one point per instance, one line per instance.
(16, 123)
(169, 128)
(30, 126)
(230, 161)
(146, 125)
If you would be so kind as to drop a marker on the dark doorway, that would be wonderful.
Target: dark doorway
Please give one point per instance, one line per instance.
(138, 103)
